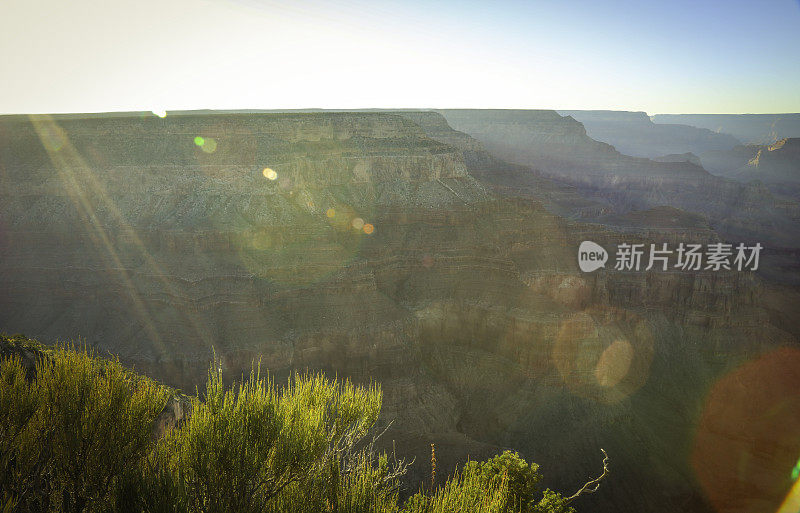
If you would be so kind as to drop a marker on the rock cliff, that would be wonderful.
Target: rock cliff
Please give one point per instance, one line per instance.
(560, 148)
(634, 133)
(748, 128)
(377, 246)
(775, 165)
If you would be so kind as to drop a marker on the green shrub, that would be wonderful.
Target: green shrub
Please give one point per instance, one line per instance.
(522, 479)
(505, 483)
(76, 434)
(244, 446)
(20, 468)
(73, 430)
(465, 491)
(522, 484)
(360, 483)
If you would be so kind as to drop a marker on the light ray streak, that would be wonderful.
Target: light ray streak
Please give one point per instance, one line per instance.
(99, 190)
(69, 165)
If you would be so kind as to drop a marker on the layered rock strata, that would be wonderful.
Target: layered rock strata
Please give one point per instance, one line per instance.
(376, 246)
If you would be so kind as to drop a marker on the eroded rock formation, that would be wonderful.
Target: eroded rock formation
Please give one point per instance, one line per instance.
(748, 128)
(634, 133)
(386, 247)
(560, 148)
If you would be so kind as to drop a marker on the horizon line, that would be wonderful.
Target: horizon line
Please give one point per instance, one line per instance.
(367, 109)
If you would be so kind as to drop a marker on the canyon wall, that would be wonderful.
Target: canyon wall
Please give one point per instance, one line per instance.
(748, 128)
(558, 147)
(635, 134)
(389, 247)
(777, 165)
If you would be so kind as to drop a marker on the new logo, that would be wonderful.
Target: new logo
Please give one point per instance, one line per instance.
(591, 256)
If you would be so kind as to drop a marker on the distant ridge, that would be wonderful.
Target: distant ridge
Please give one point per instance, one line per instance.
(748, 128)
(634, 133)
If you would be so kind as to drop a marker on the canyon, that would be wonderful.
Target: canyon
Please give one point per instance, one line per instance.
(635, 134)
(433, 252)
(748, 128)
(559, 147)
(776, 165)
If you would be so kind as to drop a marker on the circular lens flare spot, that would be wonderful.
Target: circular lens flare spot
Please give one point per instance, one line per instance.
(199, 141)
(603, 353)
(269, 174)
(262, 241)
(209, 145)
(358, 223)
(368, 228)
(330, 212)
(747, 437)
(614, 363)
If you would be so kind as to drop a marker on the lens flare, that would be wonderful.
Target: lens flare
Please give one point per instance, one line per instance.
(262, 241)
(269, 174)
(331, 212)
(357, 223)
(368, 228)
(791, 504)
(604, 353)
(209, 145)
(199, 141)
(614, 363)
(53, 137)
(747, 436)
(160, 113)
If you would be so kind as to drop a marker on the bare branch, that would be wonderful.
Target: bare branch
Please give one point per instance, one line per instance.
(593, 485)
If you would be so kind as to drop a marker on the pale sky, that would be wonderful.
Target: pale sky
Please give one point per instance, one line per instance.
(680, 56)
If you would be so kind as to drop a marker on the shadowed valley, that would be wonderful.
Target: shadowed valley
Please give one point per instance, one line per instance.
(434, 253)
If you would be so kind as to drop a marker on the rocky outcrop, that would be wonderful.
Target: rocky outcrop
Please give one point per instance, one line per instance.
(634, 133)
(26, 351)
(558, 197)
(30, 353)
(776, 165)
(557, 144)
(560, 148)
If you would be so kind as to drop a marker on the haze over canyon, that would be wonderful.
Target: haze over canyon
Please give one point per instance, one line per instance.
(435, 252)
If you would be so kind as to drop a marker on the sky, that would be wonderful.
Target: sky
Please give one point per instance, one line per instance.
(678, 56)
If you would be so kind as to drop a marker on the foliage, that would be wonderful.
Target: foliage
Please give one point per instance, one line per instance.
(244, 446)
(18, 405)
(77, 435)
(465, 491)
(522, 479)
(71, 432)
(361, 483)
(505, 483)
